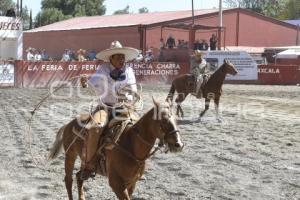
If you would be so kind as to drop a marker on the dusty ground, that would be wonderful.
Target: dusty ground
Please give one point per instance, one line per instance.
(252, 154)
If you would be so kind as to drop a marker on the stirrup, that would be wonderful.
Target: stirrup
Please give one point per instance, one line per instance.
(109, 144)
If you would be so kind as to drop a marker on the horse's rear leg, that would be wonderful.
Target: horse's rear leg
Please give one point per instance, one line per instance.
(69, 166)
(207, 101)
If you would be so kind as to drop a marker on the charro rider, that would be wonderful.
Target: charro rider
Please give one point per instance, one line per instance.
(108, 79)
(198, 68)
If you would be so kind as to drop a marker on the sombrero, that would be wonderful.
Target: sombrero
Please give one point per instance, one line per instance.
(198, 53)
(117, 48)
(81, 51)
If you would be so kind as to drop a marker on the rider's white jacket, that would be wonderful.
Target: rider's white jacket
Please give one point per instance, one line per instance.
(107, 88)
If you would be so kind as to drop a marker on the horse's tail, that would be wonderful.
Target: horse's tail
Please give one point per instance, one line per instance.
(57, 145)
(171, 93)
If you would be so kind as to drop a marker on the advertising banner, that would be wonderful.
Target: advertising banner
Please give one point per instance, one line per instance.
(43, 74)
(158, 71)
(7, 74)
(243, 62)
(10, 27)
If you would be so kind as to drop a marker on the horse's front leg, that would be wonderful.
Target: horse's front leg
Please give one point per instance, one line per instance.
(80, 186)
(207, 101)
(217, 101)
(180, 98)
(179, 111)
(131, 189)
(118, 187)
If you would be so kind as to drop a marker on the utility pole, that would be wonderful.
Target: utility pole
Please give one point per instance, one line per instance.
(21, 7)
(297, 37)
(220, 24)
(192, 30)
(193, 20)
(220, 14)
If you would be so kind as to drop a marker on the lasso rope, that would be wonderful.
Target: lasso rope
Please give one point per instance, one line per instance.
(38, 106)
(127, 105)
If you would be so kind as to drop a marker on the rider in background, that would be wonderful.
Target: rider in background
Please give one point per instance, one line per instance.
(109, 78)
(198, 67)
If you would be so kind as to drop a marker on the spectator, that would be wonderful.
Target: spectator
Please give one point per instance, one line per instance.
(81, 55)
(205, 45)
(170, 42)
(213, 42)
(30, 55)
(72, 55)
(66, 55)
(149, 56)
(201, 45)
(140, 57)
(45, 56)
(92, 55)
(197, 45)
(37, 55)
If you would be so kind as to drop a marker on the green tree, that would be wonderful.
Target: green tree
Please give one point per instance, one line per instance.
(57, 10)
(271, 8)
(25, 18)
(291, 10)
(5, 5)
(122, 11)
(143, 10)
(49, 16)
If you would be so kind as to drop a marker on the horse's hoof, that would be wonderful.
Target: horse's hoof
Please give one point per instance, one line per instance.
(219, 120)
(199, 119)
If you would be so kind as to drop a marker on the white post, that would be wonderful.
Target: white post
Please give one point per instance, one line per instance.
(220, 13)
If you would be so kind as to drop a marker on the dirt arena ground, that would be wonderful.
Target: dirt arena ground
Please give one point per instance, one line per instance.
(254, 153)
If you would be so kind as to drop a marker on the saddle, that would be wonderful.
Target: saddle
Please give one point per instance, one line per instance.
(110, 133)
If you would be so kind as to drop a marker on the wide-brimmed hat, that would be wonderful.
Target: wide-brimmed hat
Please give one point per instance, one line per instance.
(81, 51)
(117, 48)
(198, 53)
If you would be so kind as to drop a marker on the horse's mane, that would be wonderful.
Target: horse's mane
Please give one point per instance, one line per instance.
(217, 77)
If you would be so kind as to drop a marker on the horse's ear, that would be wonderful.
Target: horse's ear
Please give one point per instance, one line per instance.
(155, 102)
(225, 61)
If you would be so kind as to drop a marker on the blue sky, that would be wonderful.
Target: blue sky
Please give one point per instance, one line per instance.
(134, 5)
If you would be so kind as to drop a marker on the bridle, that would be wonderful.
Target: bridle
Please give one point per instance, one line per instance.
(140, 162)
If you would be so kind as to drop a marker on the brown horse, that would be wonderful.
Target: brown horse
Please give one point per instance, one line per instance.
(185, 84)
(125, 163)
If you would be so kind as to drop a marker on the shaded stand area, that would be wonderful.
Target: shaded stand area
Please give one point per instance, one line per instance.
(183, 54)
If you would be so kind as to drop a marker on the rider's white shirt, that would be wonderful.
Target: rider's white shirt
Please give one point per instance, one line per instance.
(106, 87)
(200, 69)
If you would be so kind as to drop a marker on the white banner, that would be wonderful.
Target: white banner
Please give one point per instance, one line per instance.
(243, 62)
(10, 27)
(7, 74)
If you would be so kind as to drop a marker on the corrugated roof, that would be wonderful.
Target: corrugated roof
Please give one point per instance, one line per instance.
(120, 20)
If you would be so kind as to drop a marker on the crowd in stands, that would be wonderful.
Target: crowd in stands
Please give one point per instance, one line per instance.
(68, 55)
(83, 55)
(181, 44)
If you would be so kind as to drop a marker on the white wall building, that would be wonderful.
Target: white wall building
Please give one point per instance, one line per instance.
(11, 38)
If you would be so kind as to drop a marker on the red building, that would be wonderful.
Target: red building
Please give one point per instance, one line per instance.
(240, 28)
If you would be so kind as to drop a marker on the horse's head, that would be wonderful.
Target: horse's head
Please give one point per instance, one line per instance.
(169, 133)
(229, 68)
